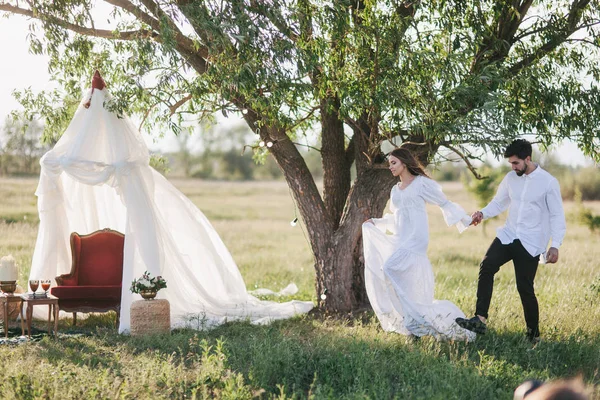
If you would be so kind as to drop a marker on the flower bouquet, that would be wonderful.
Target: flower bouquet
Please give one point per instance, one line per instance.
(147, 286)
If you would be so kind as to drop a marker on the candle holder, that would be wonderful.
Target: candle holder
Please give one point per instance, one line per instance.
(8, 287)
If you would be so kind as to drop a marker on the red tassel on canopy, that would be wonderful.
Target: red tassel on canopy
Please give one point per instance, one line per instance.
(97, 83)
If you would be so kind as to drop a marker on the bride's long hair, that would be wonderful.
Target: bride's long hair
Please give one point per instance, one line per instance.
(408, 159)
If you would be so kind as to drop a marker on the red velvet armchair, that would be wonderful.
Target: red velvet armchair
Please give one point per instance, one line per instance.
(94, 283)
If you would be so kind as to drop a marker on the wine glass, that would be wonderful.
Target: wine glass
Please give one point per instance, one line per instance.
(46, 286)
(34, 284)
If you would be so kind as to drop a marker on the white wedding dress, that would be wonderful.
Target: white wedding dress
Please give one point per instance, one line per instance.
(398, 274)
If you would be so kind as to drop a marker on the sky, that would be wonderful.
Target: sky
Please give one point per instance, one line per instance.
(19, 70)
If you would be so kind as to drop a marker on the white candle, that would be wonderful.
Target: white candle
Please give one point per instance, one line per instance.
(8, 269)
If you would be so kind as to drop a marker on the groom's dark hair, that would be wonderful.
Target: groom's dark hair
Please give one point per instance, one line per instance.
(520, 148)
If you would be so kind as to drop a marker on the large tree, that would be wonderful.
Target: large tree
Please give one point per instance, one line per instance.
(466, 76)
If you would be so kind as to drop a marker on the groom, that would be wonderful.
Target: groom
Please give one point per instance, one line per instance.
(535, 216)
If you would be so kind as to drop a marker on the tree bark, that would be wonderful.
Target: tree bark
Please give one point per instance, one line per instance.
(340, 269)
(336, 170)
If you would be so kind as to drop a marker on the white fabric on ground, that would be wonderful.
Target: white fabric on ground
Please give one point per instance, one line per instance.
(98, 176)
(289, 290)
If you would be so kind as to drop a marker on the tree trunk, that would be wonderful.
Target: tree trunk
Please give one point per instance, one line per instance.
(336, 169)
(340, 268)
(337, 247)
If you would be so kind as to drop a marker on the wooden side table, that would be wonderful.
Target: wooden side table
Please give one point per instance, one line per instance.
(5, 300)
(51, 301)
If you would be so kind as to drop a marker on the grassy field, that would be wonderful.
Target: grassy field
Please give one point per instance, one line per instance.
(314, 356)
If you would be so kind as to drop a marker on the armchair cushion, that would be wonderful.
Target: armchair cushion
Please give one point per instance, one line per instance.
(87, 292)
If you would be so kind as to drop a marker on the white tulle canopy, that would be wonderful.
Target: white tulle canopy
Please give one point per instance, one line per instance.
(98, 176)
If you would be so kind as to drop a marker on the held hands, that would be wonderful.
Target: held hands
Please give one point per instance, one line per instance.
(476, 218)
(552, 255)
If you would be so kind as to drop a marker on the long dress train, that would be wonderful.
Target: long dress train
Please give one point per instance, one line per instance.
(398, 275)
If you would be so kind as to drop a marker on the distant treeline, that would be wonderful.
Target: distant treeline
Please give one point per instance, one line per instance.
(585, 179)
(231, 165)
(20, 148)
(222, 157)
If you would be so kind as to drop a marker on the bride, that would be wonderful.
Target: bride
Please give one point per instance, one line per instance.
(398, 274)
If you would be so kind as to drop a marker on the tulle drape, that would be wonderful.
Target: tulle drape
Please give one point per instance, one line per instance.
(97, 176)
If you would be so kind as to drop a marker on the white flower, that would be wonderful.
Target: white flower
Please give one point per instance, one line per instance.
(145, 282)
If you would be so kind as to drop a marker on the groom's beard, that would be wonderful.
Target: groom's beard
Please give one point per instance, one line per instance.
(522, 171)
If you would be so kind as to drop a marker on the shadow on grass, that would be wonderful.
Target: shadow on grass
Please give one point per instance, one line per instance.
(327, 357)
(79, 345)
(553, 357)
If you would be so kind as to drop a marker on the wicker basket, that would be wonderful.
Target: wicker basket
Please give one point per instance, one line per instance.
(150, 317)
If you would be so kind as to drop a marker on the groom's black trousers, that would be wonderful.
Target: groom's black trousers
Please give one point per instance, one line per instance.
(525, 268)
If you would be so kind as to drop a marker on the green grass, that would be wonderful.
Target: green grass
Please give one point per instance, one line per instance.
(314, 356)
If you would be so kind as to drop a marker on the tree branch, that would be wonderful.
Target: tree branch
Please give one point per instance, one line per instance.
(336, 173)
(526, 33)
(550, 26)
(587, 41)
(82, 30)
(137, 12)
(180, 38)
(306, 19)
(496, 46)
(307, 116)
(146, 114)
(573, 18)
(179, 103)
(270, 12)
(404, 10)
(465, 159)
(184, 43)
(307, 146)
(509, 26)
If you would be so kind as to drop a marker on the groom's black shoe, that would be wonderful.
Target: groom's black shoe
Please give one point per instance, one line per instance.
(533, 336)
(473, 324)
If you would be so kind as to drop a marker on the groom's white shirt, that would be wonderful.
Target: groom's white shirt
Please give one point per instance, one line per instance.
(535, 210)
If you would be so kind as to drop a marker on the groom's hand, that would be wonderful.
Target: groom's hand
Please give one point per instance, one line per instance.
(552, 255)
